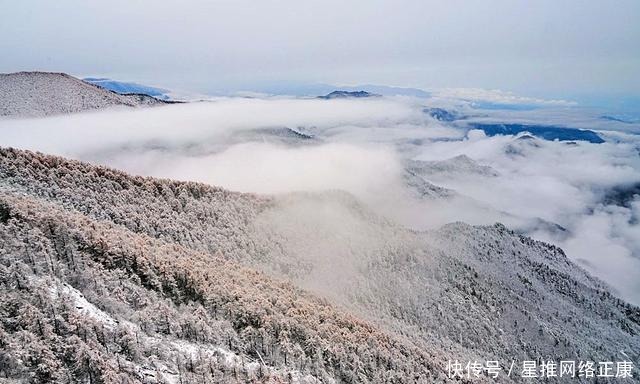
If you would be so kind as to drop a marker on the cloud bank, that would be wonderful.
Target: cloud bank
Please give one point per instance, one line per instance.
(559, 192)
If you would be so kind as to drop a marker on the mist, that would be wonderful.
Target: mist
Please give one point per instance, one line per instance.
(282, 145)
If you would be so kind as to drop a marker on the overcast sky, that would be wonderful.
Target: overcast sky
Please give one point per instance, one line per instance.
(545, 47)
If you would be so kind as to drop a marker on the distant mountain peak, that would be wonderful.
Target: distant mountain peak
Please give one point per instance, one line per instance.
(125, 88)
(348, 94)
(441, 114)
(458, 165)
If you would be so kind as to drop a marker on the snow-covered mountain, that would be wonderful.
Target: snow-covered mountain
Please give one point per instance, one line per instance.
(106, 276)
(31, 94)
(348, 274)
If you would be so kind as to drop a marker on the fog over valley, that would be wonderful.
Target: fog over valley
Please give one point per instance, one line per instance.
(384, 150)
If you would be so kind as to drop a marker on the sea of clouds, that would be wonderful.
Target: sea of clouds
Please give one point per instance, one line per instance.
(363, 146)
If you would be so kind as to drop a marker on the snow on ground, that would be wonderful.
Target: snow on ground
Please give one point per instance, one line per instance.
(82, 304)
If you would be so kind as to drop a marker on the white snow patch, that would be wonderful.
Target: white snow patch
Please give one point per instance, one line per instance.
(81, 304)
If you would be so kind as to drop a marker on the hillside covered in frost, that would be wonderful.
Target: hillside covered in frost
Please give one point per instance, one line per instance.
(35, 94)
(110, 278)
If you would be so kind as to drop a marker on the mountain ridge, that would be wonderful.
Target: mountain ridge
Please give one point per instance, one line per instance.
(38, 94)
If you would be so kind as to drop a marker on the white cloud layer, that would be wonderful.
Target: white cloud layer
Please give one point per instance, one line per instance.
(362, 146)
(496, 96)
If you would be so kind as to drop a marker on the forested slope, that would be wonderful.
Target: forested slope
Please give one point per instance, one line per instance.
(84, 299)
(108, 277)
